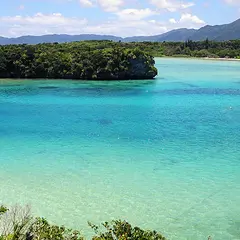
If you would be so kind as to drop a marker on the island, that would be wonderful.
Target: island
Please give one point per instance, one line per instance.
(89, 60)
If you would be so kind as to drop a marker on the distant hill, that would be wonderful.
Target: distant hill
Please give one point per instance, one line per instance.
(224, 32)
(60, 38)
(178, 35)
(219, 32)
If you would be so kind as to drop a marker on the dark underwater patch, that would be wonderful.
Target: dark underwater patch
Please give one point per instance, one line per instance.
(105, 92)
(166, 162)
(187, 84)
(200, 91)
(5, 113)
(105, 121)
(18, 91)
(10, 85)
(48, 87)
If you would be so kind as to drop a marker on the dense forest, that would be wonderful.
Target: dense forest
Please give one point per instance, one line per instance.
(78, 60)
(207, 48)
(17, 223)
(102, 60)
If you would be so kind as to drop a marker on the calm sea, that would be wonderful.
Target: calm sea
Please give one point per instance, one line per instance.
(162, 154)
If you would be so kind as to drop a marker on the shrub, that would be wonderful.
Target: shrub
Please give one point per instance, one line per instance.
(18, 224)
(15, 222)
(122, 230)
(3, 209)
(41, 230)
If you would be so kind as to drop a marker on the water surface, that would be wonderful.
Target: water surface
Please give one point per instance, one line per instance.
(162, 154)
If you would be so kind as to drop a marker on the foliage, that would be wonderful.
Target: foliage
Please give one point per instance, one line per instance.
(190, 48)
(18, 224)
(40, 229)
(205, 48)
(15, 222)
(79, 60)
(122, 230)
(3, 209)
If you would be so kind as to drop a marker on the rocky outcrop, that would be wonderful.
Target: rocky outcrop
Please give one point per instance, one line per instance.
(124, 64)
(137, 68)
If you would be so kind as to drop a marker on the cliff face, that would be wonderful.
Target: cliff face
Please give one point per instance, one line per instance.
(132, 64)
(88, 61)
(142, 68)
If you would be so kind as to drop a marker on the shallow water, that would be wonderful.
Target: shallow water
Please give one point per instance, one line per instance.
(162, 154)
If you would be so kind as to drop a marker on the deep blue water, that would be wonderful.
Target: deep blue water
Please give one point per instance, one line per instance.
(163, 154)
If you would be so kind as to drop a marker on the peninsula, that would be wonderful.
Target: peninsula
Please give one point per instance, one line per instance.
(90, 60)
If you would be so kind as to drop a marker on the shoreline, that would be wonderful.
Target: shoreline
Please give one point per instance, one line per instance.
(221, 59)
(203, 58)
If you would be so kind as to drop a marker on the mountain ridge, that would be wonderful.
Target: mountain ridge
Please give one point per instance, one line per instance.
(222, 32)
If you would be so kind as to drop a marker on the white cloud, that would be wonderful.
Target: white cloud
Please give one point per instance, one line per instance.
(39, 24)
(86, 3)
(171, 5)
(172, 20)
(187, 21)
(188, 18)
(135, 14)
(129, 28)
(110, 5)
(106, 5)
(128, 22)
(42, 19)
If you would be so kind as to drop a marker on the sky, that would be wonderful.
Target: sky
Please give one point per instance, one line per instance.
(114, 17)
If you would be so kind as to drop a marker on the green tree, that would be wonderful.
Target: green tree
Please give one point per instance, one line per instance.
(122, 230)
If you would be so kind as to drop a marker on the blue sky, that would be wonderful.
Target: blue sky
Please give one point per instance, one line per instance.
(116, 17)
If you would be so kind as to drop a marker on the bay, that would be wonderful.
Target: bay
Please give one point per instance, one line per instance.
(162, 154)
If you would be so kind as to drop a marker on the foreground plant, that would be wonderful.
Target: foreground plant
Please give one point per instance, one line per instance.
(14, 223)
(41, 229)
(3, 209)
(122, 230)
(18, 224)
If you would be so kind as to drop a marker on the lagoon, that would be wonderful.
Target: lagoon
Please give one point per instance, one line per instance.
(162, 154)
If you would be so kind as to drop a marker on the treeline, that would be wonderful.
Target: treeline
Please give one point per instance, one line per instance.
(207, 48)
(227, 49)
(18, 224)
(78, 60)
(102, 60)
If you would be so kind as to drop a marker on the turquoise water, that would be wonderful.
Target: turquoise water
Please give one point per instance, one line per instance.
(162, 154)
